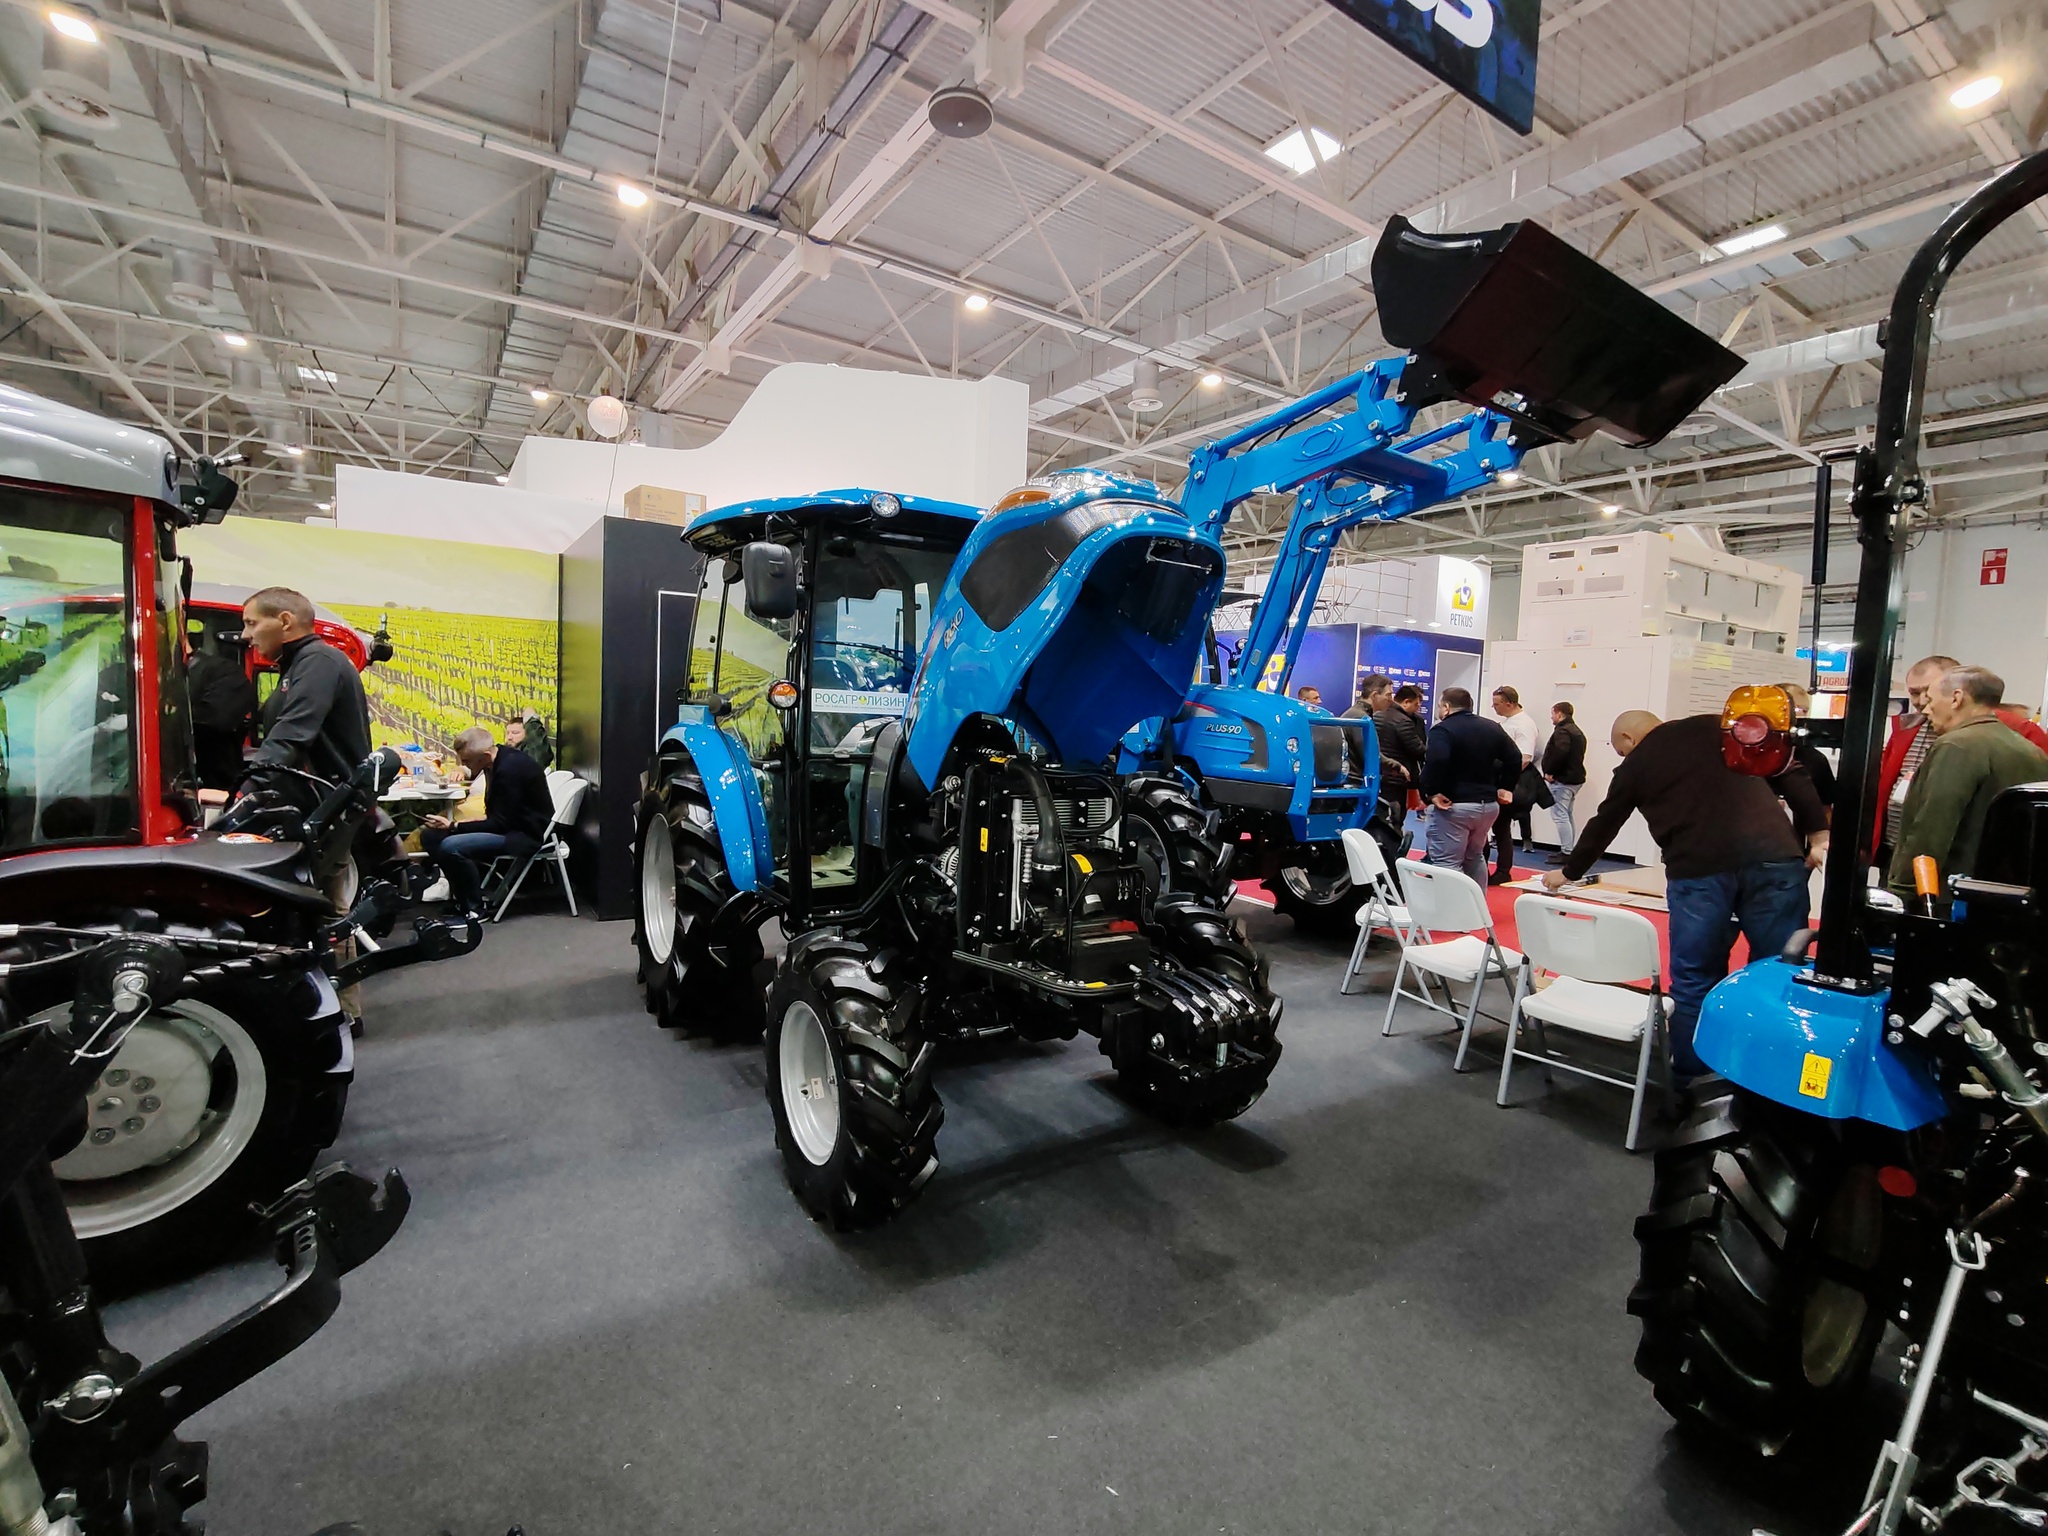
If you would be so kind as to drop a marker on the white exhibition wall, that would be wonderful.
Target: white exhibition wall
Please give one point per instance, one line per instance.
(807, 427)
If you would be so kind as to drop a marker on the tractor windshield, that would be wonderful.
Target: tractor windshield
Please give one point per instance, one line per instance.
(67, 679)
(872, 608)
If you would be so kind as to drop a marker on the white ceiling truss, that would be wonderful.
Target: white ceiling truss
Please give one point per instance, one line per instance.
(413, 216)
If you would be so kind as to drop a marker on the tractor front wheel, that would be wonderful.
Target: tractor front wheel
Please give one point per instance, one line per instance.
(849, 1083)
(1762, 1290)
(689, 984)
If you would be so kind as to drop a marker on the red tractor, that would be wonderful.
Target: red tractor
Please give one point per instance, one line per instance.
(201, 1109)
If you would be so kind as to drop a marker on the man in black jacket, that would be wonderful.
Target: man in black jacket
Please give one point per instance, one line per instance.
(1468, 774)
(1403, 740)
(1564, 770)
(1731, 857)
(517, 810)
(318, 719)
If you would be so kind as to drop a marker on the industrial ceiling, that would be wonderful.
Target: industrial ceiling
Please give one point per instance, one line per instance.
(409, 233)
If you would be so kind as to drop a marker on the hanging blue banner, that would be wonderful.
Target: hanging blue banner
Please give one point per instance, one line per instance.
(1482, 49)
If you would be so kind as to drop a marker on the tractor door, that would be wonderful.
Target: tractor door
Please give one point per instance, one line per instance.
(872, 597)
(734, 657)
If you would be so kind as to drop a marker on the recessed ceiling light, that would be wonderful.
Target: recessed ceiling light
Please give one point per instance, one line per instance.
(540, 396)
(1976, 93)
(1292, 151)
(1751, 240)
(632, 196)
(295, 450)
(231, 339)
(1510, 477)
(975, 303)
(1212, 379)
(74, 26)
(1609, 510)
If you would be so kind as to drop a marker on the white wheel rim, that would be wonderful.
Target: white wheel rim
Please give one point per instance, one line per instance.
(174, 1109)
(658, 890)
(1318, 890)
(810, 1084)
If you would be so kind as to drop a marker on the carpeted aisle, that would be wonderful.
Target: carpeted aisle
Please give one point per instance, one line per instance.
(1376, 1303)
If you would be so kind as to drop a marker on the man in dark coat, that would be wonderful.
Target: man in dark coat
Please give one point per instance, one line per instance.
(517, 811)
(318, 719)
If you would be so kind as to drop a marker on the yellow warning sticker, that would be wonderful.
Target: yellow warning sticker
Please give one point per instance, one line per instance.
(1086, 867)
(984, 839)
(1813, 1076)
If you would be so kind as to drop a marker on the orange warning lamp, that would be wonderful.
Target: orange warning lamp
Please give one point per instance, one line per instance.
(1756, 730)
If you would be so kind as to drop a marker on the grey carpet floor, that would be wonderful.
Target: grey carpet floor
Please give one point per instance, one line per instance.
(1377, 1303)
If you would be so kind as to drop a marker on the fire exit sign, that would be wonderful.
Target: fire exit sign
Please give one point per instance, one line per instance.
(1992, 572)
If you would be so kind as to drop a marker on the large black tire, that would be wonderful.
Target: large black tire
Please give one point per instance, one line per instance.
(1764, 1286)
(1210, 963)
(1176, 840)
(207, 1109)
(849, 1083)
(681, 882)
(1316, 891)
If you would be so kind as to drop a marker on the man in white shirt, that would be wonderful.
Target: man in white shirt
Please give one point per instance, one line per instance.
(1507, 705)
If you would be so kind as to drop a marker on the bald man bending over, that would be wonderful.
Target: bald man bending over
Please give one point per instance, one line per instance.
(1731, 858)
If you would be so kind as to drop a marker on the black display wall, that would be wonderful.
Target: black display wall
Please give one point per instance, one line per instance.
(628, 595)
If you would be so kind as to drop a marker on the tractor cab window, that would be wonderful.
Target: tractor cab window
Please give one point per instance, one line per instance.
(67, 676)
(735, 656)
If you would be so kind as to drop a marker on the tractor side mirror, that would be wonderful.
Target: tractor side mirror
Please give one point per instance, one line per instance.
(770, 573)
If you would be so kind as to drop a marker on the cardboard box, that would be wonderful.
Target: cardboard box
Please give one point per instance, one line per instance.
(659, 504)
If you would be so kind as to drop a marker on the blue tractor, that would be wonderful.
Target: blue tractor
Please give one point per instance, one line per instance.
(1878, 1152)
(1549, 347)
(899, 744)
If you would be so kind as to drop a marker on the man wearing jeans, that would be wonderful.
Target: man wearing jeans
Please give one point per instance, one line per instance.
(1732, 858)
(517, 811)
(1468, 774)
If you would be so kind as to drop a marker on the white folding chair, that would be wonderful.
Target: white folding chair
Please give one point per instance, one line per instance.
(1587, 949)
(1382, 908)
(567, 791)
(1448, 901)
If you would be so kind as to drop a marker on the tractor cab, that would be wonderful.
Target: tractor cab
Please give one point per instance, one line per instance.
(809, 622)
(95, 739)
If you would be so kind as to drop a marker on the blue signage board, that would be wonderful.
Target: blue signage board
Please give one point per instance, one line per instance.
(1326, 662)
(1484, 50)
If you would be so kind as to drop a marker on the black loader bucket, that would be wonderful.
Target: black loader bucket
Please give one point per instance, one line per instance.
(1515, 310)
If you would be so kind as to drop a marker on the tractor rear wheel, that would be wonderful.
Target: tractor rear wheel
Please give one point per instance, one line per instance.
(1761, 1291)
(682, 882)
(849, 1083)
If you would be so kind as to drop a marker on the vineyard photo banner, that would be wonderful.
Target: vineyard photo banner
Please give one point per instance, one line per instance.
(474, 628)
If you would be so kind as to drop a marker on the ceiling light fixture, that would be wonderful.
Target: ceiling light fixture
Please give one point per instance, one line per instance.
(1750, 240)
(1510, 477)
(318, 375)
(295, 450)
(1212, 379)
(233, 339)
(975, 303)
(504, 479)
(540, 396)
(74, 26)
(324, 506)
(960, 112)
(632, 196)
(1292, 150)
(1609, 510)
(1976, 93)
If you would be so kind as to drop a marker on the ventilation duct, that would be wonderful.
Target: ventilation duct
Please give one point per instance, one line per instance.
(192, 281)
(1145, 395)
(76, 84)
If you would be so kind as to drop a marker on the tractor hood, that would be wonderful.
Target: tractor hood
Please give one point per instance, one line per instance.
(1075, 610)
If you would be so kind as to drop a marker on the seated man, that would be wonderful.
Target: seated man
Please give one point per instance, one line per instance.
(517, 810)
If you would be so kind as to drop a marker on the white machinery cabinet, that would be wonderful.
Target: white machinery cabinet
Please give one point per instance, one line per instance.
(1654, 620)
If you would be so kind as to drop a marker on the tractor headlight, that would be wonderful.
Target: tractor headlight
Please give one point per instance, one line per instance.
(884, 504)
(782, 693)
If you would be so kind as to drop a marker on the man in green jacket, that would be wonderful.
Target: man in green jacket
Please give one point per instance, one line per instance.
(1975, 756)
